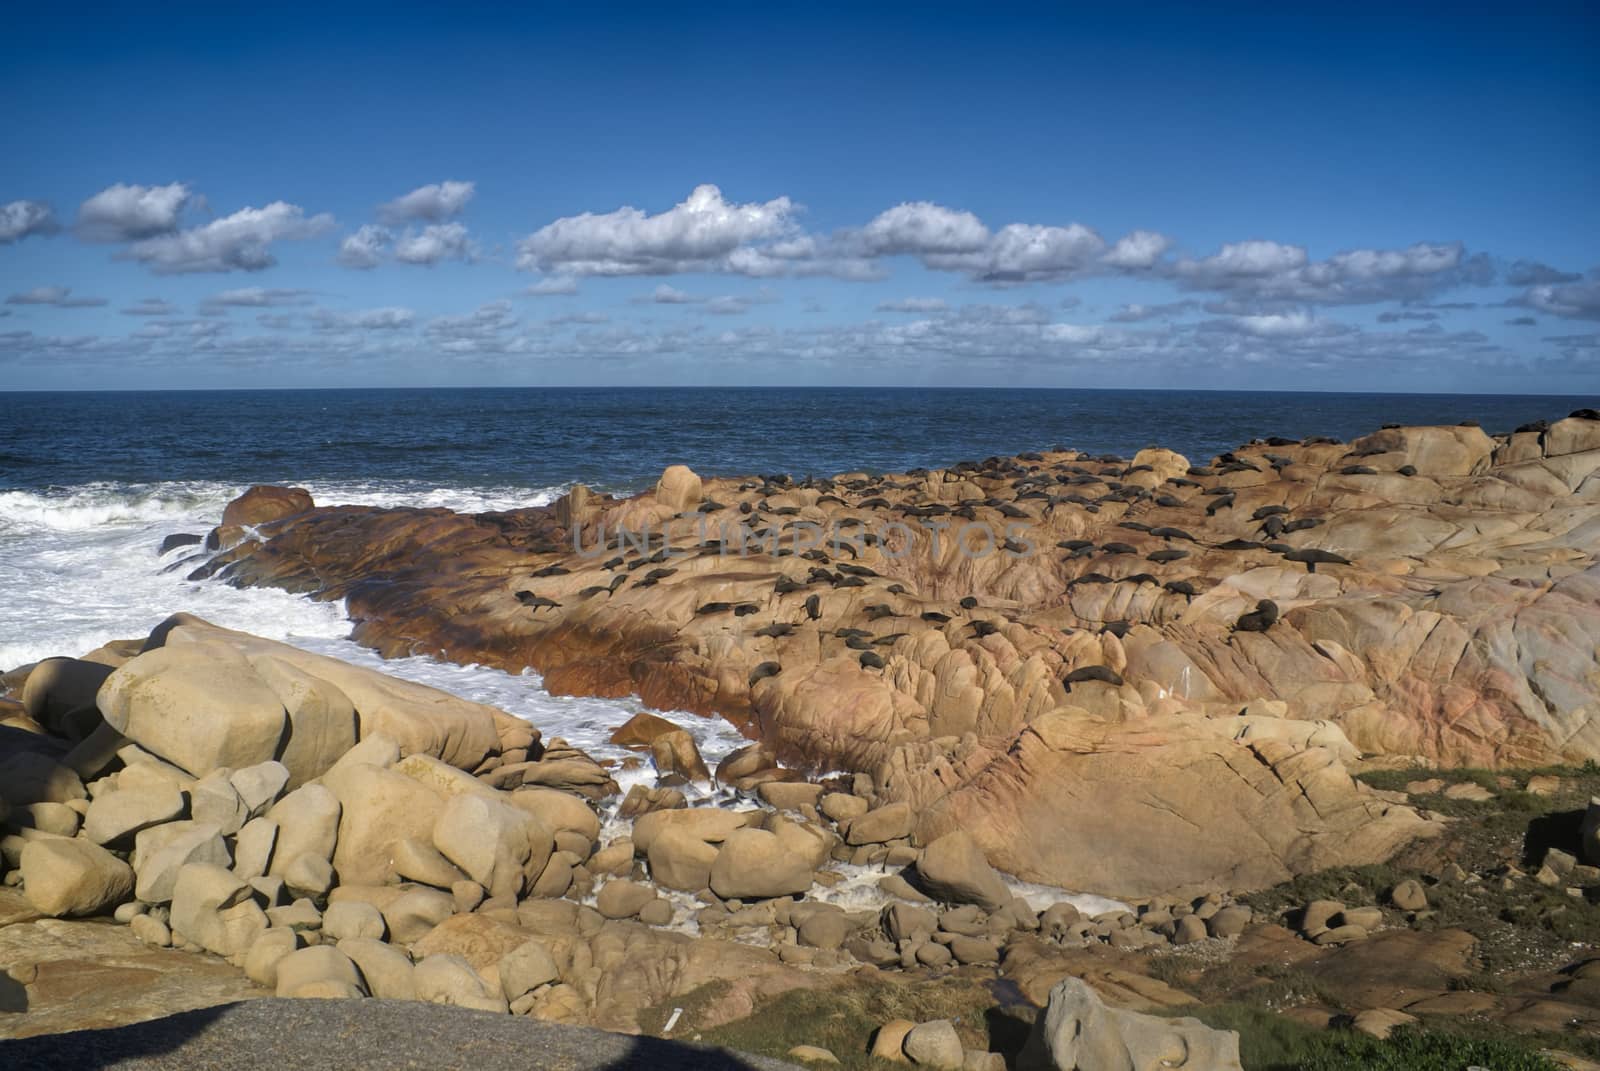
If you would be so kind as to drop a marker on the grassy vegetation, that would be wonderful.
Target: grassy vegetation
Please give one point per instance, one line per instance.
(843, 1015)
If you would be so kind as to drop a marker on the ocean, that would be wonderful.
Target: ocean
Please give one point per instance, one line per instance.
(90, 483)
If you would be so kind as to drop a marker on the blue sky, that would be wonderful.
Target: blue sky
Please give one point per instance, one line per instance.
(1184, 196)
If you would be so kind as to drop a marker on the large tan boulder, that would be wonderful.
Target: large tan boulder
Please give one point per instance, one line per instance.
(73, 877)
(710, 824)
(1077, 1032)
(201, 707)
(420, 719)
(212, 907)
(952, 869)
(755, 864)
(322, 719)
(308, 824)
(495, 844)
(680, 860)
(264, 503)
(160, 852)
(679, 488)
(1159, 805)
(379, 808)
(114, 817)
(58, 689)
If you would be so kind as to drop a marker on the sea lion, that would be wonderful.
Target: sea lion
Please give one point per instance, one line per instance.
(856, 643)
(744, 609)
(936, 617)
(1089, 578)
(1263, 512)
(896, 589)
(1272, 527)
(1093, 673)
(1118, 548)
(1239, 544)
(1302, 524)
(613, 563)
(1223, 502)
(1180, 587)
(536, 602)
(814, 607)
(776, 630)
(550, 570)
(871, 660)
(984, 628)
(1075, 544)
(1119, 629)
(1169, 533)
(877, 610)
(763, 671)
(1358, 470)
(1313, 558)
(968, 603)
(1162, 557)
(714, 608)
(1263, 617)
(787, 585)
(1135, 526)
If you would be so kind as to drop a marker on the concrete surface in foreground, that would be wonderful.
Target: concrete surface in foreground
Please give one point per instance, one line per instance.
(362, 1035)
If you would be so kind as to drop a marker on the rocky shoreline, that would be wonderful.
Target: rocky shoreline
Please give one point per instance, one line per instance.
(1163, 683)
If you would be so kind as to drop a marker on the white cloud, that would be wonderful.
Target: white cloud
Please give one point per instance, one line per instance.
(1027, 252)
(364, 248)
(1272, 271)
(553, 286)
(700, 234)
(914, 304)
(240, 242)
(1580, 301)
(919, 228)
(126, 213)
(1298, 324)
(20, 219)
(59, 296)
(384, 319)
(1137, 250)
(257, 297)
(432, 204)
(669, 295)
(435, 242)
(1136, 313)
(149, 307)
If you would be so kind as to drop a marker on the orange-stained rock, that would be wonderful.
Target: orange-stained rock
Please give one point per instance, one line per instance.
(264, 503)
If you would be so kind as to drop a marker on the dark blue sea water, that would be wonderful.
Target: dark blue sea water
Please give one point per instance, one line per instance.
(620, 439)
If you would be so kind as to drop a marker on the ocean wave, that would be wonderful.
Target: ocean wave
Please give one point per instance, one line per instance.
(93, 506)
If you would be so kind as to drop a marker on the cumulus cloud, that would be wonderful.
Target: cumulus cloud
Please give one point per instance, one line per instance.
(1137, 251)
(384, 319)
(239, 242)
(1273, 271)
(428, 204)
(257, 297)
(554, 286)
(364, 249)
(669, 295)
(435, 242)
(58, 296)
(1136, 313)
(914, 304)
(1578, 301)
(1280, 325)
(1533, 273)
(127, 213)
(484, 331)
(920, 228)
(700, 234)
(1027, 252)
(149, 307)
(22, 219)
